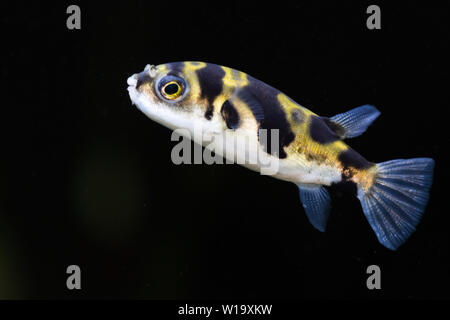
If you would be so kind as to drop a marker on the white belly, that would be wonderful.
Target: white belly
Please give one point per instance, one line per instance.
(244, 148)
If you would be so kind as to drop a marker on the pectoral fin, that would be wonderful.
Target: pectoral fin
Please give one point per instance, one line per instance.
(252, 102)
(317, 204)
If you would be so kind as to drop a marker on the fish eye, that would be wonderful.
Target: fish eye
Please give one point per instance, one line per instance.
(171, 88)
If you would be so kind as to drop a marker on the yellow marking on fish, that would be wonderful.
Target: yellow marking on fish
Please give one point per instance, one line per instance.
(234, 78)
(193, 66)
(162, 68)
(189, 72)
(290, 105)
(365, 178)
(221, 98)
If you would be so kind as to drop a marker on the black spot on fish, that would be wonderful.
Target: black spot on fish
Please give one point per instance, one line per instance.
(209, 112)
(351, 158)
(210, 81)
(347, 174)
(176, 68)
(320, 132)
(230, 115)
(312, 156)
(318, 158)
(335, 127)
(274, 116)
(297, 116)
(143, 77)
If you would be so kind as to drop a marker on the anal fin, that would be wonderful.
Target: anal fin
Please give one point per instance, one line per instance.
(316, 202)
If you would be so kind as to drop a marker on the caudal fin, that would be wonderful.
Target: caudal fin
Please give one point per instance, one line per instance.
(395, 202)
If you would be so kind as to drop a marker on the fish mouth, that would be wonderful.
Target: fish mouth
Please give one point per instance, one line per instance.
(132, 81)
(136, 80)
(149, 71)
(132, 90)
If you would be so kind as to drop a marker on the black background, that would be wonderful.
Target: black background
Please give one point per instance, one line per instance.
(87, 179)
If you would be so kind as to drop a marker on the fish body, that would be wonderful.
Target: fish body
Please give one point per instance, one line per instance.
(309, 152)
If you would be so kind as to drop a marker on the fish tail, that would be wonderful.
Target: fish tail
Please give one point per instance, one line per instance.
(395, 198)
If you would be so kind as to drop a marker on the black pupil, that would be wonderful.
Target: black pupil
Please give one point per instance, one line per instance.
(171, 88)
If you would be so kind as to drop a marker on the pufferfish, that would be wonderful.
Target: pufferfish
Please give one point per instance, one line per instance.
(311, 153)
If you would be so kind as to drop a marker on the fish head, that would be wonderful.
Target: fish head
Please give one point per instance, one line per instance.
(170, 94)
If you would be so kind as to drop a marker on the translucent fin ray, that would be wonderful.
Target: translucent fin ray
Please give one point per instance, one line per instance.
(395, 202)
(317, 204)
(355, 122)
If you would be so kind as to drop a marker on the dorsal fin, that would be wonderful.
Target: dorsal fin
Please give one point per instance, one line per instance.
(353, 123)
